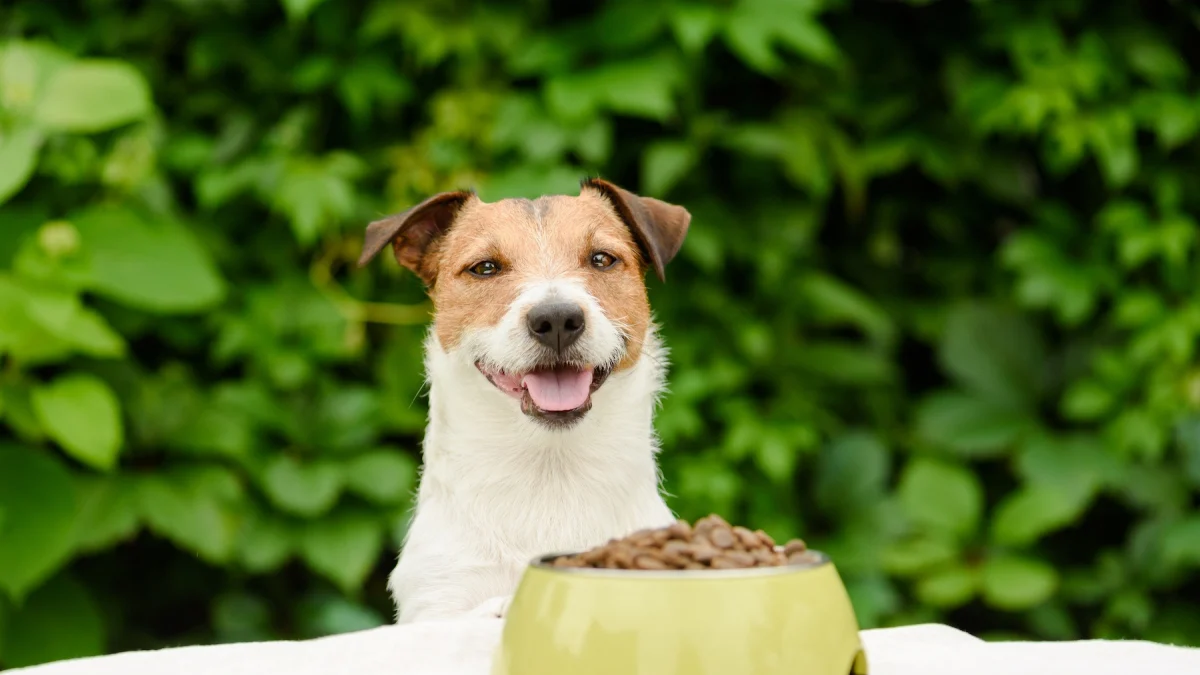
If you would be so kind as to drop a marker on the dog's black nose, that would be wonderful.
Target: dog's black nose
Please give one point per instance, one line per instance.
(556, 324)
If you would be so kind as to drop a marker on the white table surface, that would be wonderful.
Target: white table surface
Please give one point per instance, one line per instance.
(465, 647)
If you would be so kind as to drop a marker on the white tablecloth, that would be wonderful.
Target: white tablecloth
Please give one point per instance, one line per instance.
(465, 648)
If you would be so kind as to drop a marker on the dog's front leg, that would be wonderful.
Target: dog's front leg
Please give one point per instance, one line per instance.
(494, 608)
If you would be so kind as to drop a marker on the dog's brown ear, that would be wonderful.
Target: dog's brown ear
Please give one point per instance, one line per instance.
(658, 227)
(411, 232)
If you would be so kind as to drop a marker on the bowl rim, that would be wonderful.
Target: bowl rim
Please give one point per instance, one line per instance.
(542, 562)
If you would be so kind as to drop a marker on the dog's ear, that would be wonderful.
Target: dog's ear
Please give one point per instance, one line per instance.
(658, 227)
(411, 232)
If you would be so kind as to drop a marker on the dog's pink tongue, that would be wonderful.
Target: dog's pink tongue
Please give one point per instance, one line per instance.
(559, 390)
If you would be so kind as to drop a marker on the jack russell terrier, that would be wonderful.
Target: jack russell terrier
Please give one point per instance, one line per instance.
(544, 369)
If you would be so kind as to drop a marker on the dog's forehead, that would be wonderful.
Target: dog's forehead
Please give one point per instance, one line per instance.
(553, 217)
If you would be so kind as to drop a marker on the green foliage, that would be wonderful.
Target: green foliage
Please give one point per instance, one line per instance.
(937, 314)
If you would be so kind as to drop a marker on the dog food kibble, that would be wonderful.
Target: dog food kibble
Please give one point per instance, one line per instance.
(711, 543)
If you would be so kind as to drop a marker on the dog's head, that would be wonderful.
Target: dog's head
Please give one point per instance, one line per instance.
(547, 297)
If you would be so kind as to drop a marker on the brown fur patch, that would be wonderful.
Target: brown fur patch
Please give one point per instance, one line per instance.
(553, 237)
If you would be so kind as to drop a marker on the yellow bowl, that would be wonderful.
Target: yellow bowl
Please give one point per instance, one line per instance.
(791, 620)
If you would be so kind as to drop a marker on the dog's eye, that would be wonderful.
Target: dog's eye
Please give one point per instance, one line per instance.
(486, 268)
(602, 261)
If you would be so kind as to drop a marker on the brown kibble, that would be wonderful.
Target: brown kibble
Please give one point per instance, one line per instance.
(681, 530)
(765, 557)
(802, 558)
(675, 547)
(709, 523)
(794, 546)
(728, 561)
(703, 552)
(765, 539)
(747, 538)
(710, 543)
(722, 538)
(742, 558)
(622, 558)
(675, 553)
(649, 562)
(641, 538)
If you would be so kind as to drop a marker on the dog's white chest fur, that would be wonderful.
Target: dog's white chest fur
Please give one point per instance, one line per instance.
(498, 489)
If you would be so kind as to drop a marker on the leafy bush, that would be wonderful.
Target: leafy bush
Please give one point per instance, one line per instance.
(938, 312)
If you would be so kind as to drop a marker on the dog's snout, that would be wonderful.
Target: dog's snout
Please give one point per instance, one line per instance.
(556, 324)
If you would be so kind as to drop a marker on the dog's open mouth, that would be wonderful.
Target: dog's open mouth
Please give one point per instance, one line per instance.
(559, 394)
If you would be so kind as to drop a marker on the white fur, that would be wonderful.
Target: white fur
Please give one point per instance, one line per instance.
(499, 489)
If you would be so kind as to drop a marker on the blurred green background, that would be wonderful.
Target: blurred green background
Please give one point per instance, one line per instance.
(938, 312)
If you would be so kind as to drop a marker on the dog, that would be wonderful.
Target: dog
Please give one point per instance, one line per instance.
(544, 368)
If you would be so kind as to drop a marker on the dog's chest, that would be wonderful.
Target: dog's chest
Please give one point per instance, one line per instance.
(550, 507)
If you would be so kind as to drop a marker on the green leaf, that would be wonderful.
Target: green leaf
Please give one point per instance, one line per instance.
(1077, 465)
(314, 193)
(994, 353)
(324, 614)
(1187, 435)
(776, 457)
(300, 9)
(38, 502)
(941, 497)
(1048, 279)
(306, 489)
(18, 224)
(873, 598)
(529, 182)
(194, 516)
(343, 548)
(1154, 59)
(916, 555)
(808, 38)
(82, 414)
(833, 302)
(1173, 116)
(970, 425)
(1181, 543)
(949, 587)
(852, 472)
(25, 68)
(1087, 400)
(241, 617)
(157, 267)
(845, 363)
(18, 156)
(57, 621)
(1012, 583)
(754, 27)
(19, 413)
(93, 95)
(694, 26)
(384, 476)
(665, 163)
(108, 513)
(41, 325)
(642, 87)
(266, 542)
(1028, 514)
(1113, 139)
